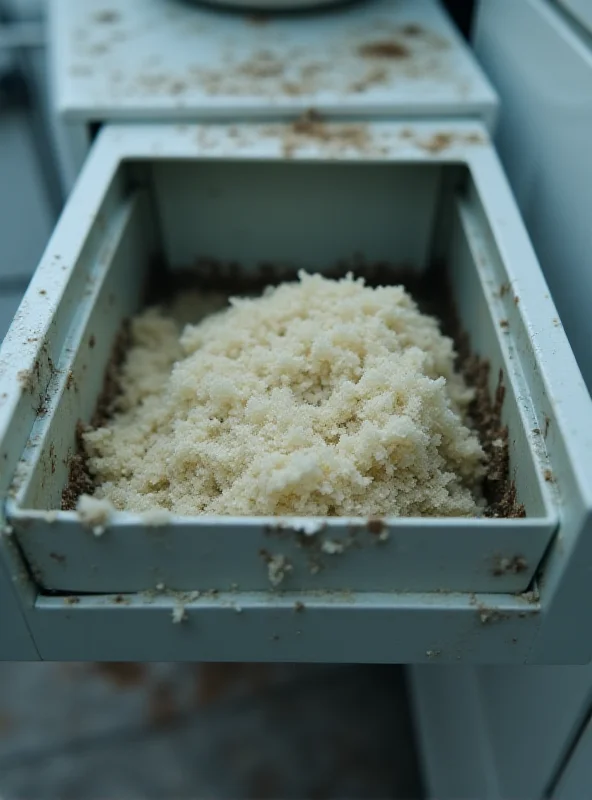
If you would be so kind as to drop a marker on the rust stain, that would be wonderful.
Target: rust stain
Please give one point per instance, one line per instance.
(549, 476)
(390, 49)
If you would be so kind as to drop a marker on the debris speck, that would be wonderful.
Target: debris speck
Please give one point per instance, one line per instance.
(278, 567)
(299, 607)
(71, 600)
(332, 548)
(306, 526)
(437, 143)
(94, 513)
(385, 49)
(156, 517)
(179, 614)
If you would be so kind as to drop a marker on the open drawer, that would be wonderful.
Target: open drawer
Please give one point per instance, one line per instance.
(154, 200)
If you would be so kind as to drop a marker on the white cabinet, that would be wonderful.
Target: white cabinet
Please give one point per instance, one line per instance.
(178, 98)
(542, 67)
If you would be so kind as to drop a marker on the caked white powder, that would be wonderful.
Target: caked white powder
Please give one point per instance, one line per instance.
(318, 398)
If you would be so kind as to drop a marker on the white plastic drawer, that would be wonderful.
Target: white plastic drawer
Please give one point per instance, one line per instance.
(428, 588)
(150, 60)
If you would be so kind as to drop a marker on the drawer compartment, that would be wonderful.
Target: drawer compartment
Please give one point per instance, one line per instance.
(156, 203)
(166, 215)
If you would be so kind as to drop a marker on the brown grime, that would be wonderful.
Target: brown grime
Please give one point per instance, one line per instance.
(437, 143)
(384, 49)
(376, 526)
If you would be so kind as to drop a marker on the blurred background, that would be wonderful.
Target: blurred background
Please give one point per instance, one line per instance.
(106, 731)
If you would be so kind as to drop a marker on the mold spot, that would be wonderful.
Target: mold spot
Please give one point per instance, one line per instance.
(61, 559)
(92, 341)
(299, 607)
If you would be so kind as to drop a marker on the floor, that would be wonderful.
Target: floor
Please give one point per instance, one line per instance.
(92, 732)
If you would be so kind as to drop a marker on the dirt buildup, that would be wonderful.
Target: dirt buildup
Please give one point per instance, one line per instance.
(484, 413)
(310, 127)
(387, 49)
(80, 481)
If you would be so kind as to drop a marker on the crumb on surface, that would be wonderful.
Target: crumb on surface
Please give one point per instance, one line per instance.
(155, 517)
(319, 398)
(278, 567)
(332, 548)
(94, 512)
